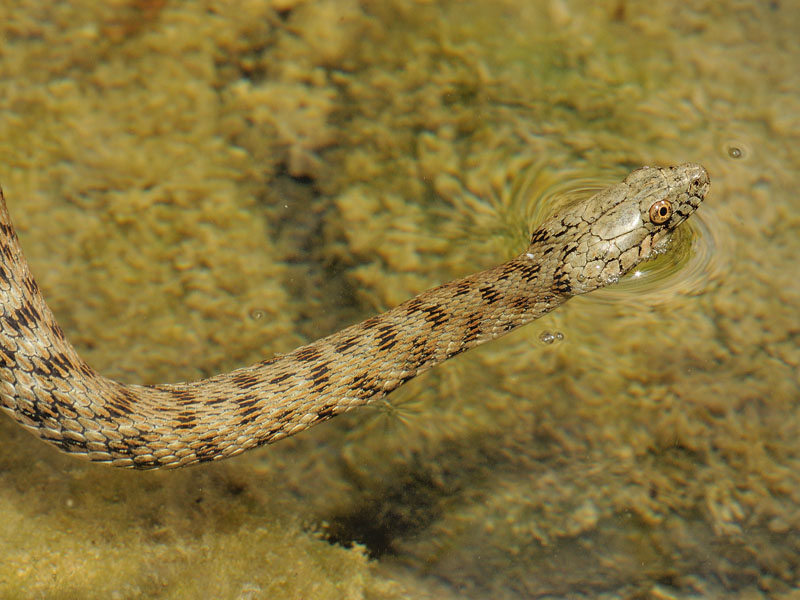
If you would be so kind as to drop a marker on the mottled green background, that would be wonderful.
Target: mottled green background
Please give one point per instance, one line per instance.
(199, 185)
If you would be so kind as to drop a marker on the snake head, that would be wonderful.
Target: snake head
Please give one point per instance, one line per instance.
(624, 225)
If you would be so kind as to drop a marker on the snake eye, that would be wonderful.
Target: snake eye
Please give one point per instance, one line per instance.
(660, 212)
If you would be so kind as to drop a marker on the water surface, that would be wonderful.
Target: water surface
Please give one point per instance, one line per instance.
(198, 187)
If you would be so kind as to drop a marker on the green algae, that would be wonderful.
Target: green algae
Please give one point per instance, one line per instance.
(156, 167)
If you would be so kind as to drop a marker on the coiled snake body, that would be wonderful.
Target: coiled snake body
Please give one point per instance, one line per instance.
(51, 391)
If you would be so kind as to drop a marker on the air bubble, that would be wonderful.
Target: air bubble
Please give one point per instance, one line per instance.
(735, 149)
(549, 337)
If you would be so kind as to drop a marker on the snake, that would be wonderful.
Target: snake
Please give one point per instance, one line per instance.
(52, 392)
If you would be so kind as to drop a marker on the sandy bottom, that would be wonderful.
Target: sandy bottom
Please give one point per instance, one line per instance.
(198, 187)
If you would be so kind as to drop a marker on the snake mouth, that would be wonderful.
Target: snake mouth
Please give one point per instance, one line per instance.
(661, 242)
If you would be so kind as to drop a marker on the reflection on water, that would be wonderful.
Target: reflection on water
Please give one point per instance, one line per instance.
(199, 187)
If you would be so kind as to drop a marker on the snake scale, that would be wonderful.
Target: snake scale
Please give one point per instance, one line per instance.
(52, 392)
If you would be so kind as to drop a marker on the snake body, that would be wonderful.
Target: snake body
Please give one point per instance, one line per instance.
(51, 391)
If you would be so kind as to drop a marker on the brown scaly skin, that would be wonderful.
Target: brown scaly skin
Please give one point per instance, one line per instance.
(47, 388)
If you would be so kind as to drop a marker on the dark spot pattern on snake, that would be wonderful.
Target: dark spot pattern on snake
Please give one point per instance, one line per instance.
(48, 388)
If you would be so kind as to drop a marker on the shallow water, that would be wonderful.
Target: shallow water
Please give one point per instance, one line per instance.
(197, 188)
